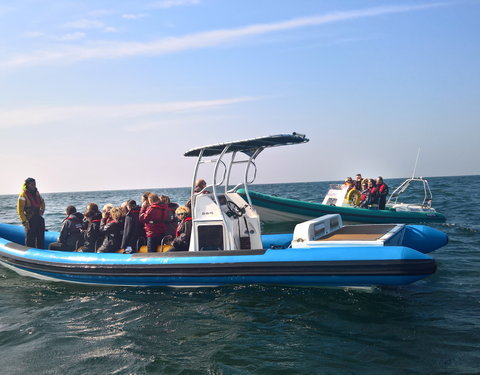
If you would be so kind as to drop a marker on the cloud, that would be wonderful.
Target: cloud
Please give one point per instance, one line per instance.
(206, 39)
(44, 116)
(86, 24)
(34, 34)
(172, 3)
(133, 16)
(72, 36)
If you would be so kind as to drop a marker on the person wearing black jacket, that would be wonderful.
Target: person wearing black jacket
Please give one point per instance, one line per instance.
(133, 229)
(181, 242)
(91, 228)
(382, 189)
(70, 234)
(112, 230)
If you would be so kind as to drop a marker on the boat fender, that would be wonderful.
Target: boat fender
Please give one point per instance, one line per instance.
(353, 195)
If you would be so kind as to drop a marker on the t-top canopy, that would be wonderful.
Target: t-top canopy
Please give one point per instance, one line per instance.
(247, 145)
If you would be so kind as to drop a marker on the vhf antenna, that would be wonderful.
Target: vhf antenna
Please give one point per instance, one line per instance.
(416, 162)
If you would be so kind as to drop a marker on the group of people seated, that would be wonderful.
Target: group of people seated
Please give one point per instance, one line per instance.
(371, 193)
(127, 228)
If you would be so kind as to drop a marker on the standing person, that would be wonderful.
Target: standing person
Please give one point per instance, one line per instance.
(153, 216)
(132, 229)
(372, 194)
(171, 220)
(30, 209)
(358, 182)
(70, 234)
(91, 228)
(365, 194)
(382, 189)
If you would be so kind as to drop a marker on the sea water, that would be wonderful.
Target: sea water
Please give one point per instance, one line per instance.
(429, 327)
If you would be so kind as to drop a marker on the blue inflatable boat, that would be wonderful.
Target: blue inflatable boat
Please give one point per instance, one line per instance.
(227, 246)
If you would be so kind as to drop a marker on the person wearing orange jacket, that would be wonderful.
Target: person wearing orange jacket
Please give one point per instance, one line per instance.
(30, 209)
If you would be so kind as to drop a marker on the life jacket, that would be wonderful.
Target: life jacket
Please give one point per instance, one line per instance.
(180, 226)
(29, 204)
(34, 199)
(154, 219)
(383, 189)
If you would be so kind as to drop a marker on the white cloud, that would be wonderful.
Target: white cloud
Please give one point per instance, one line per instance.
(34, 34)
(133, 16)
(172, 3)
(86, 24)
(72, 36)
(193, 41)
(44, 116)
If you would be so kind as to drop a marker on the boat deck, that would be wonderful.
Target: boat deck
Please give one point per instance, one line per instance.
(359, 233)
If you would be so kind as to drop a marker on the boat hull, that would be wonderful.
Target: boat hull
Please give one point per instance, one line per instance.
(346, 266)
(277, 210)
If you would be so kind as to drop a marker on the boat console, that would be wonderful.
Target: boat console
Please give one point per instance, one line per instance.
(221, 218)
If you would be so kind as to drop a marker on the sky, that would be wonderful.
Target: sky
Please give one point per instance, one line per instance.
(108, 95)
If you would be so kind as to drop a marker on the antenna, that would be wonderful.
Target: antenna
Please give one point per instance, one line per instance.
(416, 162)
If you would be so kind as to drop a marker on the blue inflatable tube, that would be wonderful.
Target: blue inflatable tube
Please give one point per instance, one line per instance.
(345, 266)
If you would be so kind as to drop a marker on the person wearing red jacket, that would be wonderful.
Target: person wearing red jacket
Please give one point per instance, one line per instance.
(382, 189)
(153, 217)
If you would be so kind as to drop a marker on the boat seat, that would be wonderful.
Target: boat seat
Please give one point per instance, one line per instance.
(359, 233)
(328, 230)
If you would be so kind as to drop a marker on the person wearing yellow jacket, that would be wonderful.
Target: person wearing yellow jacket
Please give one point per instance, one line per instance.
(30, 209)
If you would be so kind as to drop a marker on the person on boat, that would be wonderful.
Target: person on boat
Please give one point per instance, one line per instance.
(349, 182)
(171, 220)
(358, 182)
(30, 209)
(111, 229)
(181, 242)
(106, 210)
(91, 228)
(373, 194)
(200, 186)
(382, 188)
(152, 216)
(144, 198)
(71, 233)
(132, 229)
(364, 194)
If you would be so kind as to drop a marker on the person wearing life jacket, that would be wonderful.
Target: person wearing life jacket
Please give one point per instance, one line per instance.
(91, 228)
(171, 220)
(132, 229)
(111, 229)
(184, 229)
(364, 194)
(153, 216)
(382, 193)
(373, 194)
(358, 182)
(349, 182)
(70, 234)
(30, 209)
(106, 210)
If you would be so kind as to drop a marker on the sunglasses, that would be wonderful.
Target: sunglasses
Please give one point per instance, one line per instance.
(181, 214)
